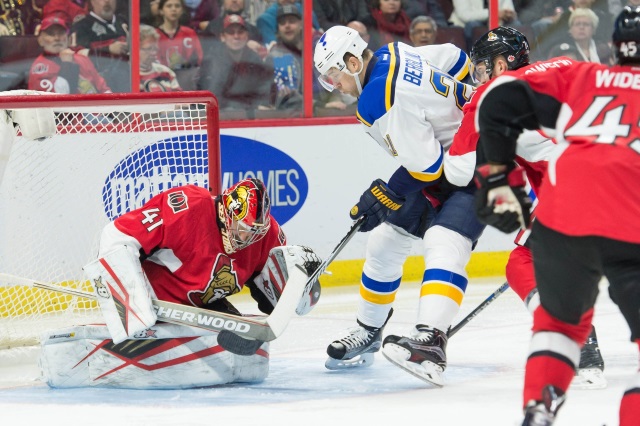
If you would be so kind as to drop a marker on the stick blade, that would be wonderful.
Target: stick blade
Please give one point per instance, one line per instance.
(237, 344)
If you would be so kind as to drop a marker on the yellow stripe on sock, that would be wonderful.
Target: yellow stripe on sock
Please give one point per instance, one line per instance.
(449, 291)
(377, 298)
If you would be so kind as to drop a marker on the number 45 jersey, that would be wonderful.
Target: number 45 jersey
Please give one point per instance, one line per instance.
(182, 247)
(592, 186)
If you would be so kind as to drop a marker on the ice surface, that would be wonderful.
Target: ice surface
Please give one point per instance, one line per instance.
(483, 379)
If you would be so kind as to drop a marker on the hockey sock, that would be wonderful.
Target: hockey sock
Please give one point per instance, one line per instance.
(630, 404)
(519, 272)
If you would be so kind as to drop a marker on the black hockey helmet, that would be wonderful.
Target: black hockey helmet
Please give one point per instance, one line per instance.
(505, 41)
(626, 35)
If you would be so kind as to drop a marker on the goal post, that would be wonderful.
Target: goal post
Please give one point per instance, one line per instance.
(110, 154)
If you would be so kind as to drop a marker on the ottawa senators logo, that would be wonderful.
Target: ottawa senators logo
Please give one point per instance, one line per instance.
(237, 203)
(223, 283)
(178, 201)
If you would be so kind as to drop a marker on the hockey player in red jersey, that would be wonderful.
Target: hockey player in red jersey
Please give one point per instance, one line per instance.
(189, 247)
(591, 111)
(500, 50)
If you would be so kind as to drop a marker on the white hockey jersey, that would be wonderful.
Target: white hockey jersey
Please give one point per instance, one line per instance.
(411, 103)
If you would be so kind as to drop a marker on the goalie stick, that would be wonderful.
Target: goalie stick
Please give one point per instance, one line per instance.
(239, 330)
(241, 345)
(493, 296)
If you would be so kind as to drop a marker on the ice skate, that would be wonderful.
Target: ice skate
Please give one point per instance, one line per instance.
(422, 354)
(590, 372)
(543, 413)
(356, 349)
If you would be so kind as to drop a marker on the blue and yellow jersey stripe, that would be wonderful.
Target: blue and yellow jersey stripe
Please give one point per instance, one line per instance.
(461, 68)
(376, 101)
(433, 172)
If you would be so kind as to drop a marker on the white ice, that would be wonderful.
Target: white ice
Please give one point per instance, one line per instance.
(483, 380)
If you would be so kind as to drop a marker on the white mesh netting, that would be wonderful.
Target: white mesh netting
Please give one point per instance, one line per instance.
(58, 193)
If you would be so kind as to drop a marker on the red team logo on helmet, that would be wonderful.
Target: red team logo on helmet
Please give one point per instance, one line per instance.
(246, 207)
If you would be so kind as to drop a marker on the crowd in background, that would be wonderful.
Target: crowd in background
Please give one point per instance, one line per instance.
(249, 52)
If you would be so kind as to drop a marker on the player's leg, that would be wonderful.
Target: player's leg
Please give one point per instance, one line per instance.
(521, 278)
(387, 249)
(447, 249)
(568, 270)
(622, 269)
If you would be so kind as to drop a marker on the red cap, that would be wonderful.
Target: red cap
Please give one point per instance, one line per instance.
(52, 20)
(233, 19)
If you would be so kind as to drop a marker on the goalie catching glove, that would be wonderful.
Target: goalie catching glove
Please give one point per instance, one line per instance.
(267, 287)
(501, 200)
(376, 204)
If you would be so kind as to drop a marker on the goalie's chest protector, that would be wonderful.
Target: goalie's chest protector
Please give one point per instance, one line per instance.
(188, 263)
(411, 108)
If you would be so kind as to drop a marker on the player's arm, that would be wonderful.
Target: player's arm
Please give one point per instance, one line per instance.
(501, 199)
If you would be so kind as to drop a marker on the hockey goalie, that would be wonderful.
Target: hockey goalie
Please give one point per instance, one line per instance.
(183, 246)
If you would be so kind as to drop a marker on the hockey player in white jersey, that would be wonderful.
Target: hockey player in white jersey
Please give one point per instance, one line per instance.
(410, 102)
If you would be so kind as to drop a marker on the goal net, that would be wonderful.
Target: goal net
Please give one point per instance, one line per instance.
(110, 154)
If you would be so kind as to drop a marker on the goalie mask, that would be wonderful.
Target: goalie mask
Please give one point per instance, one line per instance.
(328, 56)
(505, 41)
(246, 209)
(626, 36)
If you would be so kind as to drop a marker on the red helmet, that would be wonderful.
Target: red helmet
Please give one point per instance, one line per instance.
(246, 207)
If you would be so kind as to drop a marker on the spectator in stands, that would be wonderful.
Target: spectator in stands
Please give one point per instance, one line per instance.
(236, 74)
(68, 10)
(471, 14)
(431, 8)
(267, 22)
(179, 45)
(423, 31)
(361, 29)
(539, 14)
(235, 7)
(286, 55)
(104, 36)
(200, 13)
(583, 23)
(59, 69)
(556, 33)
(388, 23)
(154, 77)
(565, 49)
(19, 18)
(340, 12)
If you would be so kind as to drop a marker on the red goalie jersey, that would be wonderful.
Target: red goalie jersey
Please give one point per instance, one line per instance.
(592, 182)
(182, 246)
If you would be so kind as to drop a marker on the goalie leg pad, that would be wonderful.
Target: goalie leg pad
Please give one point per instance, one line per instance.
(124, 293)
(165, 356)
(267, 287)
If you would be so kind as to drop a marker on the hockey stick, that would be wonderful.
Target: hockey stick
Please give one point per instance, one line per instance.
(254, 327)
(281, 315)
(493, 296)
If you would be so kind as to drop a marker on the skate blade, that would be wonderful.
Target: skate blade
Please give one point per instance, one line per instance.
(360, 361)
(427, 371)
(589, 378)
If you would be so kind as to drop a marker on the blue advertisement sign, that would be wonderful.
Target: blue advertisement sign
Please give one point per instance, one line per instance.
(183, 160)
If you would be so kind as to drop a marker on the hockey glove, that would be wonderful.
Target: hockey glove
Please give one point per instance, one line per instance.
(501, 200)
(376, 204)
